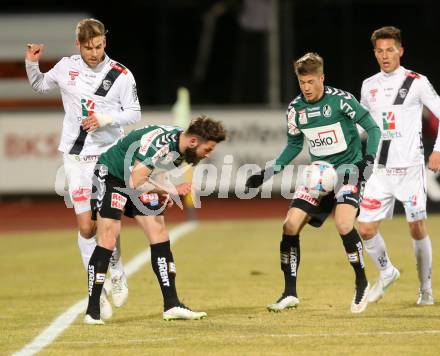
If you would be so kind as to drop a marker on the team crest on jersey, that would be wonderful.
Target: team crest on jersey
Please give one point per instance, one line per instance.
(302, 117)
(327, 110)
(403, 92)
(106, 84)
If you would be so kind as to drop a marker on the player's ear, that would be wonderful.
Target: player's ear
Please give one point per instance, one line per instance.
(193, 141)
(77, 44)
(401, 50)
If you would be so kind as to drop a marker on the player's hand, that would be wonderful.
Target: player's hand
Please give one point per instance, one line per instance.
(34, 51)
(365, 167)
(90, 123)
(184, 188)
(167, 200)
(434, 161)
(255, 180)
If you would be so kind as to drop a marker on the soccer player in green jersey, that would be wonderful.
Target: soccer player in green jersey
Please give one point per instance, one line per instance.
(326, 118)
(125, 184)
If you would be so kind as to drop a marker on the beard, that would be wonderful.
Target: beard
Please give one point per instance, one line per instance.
(191, 156)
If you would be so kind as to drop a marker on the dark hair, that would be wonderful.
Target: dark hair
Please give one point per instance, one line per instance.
(310, 63)
(87, 29)
(386, 32)
(207, 129)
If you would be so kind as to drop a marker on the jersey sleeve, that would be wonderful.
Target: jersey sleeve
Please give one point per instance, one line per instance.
(295, 142)
(431, 100)
(42, 82)
(364, 101)
(373, 131)
(130, 112)
(352, 108)
(152, 149)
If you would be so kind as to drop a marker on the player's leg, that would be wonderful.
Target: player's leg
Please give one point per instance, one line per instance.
(376, 249)
(116, 282)
(345, 215)
(107, 206)
(423, 253)
(108, 232)
(118, 285)
(377, 204)
(303, 209)
(413, 196)
(162, 262)
(290, 258)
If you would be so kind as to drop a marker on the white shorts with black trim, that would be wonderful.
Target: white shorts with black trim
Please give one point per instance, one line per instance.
(408, 185)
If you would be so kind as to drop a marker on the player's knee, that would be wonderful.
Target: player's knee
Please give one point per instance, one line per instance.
(417, 230)
(291, 227)
(367, 231)
(87, 230)
(344, 227)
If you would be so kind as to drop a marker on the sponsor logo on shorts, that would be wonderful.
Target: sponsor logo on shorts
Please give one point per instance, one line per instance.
(370, 204)
(301, 193)
(118, 201)
(81, 194)
(346, 189)
(149, 198)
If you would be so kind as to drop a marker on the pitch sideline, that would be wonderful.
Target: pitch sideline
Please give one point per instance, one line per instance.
(63, 321)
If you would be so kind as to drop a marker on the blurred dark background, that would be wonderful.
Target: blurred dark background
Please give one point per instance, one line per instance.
(220, 49)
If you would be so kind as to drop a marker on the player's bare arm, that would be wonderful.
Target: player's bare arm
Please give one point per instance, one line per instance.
(141, 179)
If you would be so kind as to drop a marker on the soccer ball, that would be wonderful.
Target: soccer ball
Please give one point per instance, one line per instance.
(319, 178)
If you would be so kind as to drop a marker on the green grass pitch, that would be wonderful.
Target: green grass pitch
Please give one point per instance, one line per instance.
(230, 270)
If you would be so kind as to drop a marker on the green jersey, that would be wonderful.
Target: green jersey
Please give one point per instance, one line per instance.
(156, 146)
(329, 127)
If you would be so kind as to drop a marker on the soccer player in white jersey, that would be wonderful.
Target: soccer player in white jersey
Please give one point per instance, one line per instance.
(99, 98)
(395, 97)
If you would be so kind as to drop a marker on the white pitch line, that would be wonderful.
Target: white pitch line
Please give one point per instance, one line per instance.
(62, 322)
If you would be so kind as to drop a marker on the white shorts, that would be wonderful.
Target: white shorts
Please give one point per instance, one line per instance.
(408, 185)
(79, 175)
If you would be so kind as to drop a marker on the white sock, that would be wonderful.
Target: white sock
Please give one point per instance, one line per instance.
(423, 253)
(86, 248)
(377, 250)
(116, 266)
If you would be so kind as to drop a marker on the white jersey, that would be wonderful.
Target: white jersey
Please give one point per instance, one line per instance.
(109, 88)
(395, 101)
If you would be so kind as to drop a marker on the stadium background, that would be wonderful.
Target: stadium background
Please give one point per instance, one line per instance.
(238, 75)
(234, 56)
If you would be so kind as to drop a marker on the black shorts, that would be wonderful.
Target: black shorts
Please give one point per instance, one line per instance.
(110, 198)
(320, 209)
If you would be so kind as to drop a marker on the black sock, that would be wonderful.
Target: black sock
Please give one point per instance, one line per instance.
(97, 270)
(290, 257)
(165, 270)
(353, 248)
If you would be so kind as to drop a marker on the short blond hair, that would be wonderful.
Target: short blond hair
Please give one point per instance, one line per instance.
(87, 29)
(310, 63)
